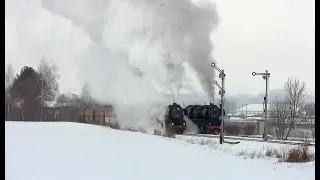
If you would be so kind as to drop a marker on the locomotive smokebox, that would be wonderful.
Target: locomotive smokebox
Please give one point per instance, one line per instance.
(174, 118)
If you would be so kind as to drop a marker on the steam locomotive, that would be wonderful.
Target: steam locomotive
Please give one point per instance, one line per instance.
(206, 117)
(174, 119)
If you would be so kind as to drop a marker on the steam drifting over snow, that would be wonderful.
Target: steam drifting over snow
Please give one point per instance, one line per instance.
(126, 49)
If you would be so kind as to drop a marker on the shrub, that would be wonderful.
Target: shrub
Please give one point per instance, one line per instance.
(299, 154)
(142, 130)
(273, 153)
(157, 132)
(130, 129)
(114, 126)
(249, 129)
(293, 155)
(232, 129)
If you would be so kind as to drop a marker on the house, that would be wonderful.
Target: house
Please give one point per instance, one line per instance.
(251, 110)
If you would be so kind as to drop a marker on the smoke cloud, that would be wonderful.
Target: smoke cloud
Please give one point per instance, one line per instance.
(128, 50)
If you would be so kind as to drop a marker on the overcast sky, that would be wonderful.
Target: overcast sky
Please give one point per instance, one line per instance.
(253, 35)
(259, 35)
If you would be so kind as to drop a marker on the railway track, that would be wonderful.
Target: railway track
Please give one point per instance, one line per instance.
(253, 139)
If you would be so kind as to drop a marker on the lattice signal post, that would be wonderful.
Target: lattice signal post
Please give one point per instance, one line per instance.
(222, 91)
(266, 76)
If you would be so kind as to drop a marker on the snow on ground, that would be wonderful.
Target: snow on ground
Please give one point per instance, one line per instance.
(290, 139)
(246, 148)
(66, 151)
(258, 136)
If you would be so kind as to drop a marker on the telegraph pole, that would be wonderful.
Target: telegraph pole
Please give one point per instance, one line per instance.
(246, 111)
(242, 109)
(222, 75)
(266, 76)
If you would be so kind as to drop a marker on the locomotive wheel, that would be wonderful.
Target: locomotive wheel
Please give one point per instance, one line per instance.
(216, 131)
(208, 131)
(169, 129)
(202, 129)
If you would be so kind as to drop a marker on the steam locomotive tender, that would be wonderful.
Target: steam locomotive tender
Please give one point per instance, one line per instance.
(206, 117)
(174, 119)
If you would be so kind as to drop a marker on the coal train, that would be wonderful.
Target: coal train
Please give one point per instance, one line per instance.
(206, 117)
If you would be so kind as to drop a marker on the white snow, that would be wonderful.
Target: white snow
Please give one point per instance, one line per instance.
(290, 139)
(244, 147)
(255, 137)
(72, 151)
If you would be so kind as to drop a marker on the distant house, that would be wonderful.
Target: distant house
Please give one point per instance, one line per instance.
(250, 110)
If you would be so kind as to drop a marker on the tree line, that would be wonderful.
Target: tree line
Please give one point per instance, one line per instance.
(33, 89)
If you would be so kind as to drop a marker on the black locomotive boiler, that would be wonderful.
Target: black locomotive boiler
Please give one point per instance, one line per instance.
(206, 117)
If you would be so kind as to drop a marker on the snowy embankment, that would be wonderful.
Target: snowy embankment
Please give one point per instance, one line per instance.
(246, 149)
(237, 138)
(65, 151)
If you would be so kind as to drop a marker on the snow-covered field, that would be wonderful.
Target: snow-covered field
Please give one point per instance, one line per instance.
(67, 151)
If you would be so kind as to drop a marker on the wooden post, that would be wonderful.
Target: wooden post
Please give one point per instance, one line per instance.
(53, 119)
(84, 115)
(104, 116)
(93, 116)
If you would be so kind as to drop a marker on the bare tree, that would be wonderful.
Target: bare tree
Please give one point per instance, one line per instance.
(310, 117)
(9, 78)
(70, 106)
(285, 113)
(86, 96)
(295, 93)
(64, 100)
(48, 80)
(279, 113)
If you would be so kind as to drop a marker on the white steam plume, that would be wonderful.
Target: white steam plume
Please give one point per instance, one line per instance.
(192, 128)
(133, 46)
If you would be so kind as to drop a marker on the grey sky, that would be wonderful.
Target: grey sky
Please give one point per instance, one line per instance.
(253, 35)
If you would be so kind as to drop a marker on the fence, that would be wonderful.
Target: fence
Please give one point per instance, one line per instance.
(99, 116)
(106, 116)
(255, 127)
